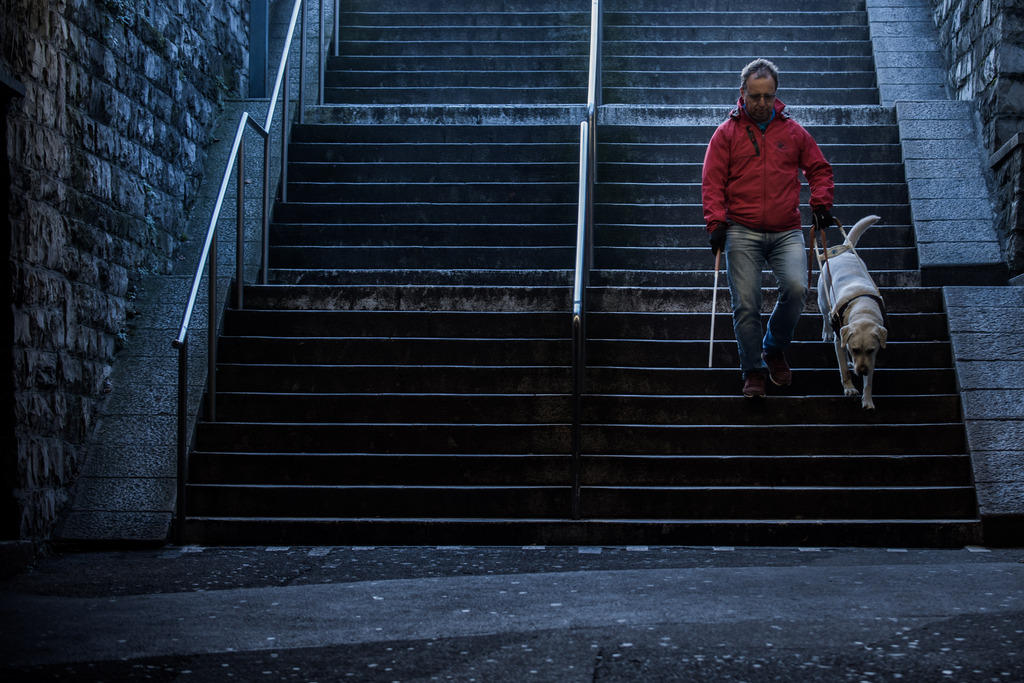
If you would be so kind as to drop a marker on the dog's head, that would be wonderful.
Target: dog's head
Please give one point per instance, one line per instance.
(862, 340)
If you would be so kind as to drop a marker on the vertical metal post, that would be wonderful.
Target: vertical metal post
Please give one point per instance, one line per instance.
(180, 510)
(320, 47)
(578, 341)
(240, 225)
(337, 27)
(266, 208)
(284, 136)
(211, 337)
(302, 64)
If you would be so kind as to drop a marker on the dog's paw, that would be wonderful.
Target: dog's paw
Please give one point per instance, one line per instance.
(868, 405)
(850, 390)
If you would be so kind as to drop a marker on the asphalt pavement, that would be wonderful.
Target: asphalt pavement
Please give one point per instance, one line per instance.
(516, 613)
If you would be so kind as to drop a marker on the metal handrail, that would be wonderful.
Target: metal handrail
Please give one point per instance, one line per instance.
(584, 242)
(208, 257)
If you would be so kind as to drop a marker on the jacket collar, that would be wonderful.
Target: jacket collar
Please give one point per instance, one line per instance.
(740, 113)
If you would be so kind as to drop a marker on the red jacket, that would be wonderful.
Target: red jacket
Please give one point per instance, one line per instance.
(752, 178)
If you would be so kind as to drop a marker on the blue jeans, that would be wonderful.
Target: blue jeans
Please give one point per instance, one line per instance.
(747, 251)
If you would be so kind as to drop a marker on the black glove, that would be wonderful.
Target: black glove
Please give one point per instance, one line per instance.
(717, 237)
(822, 218)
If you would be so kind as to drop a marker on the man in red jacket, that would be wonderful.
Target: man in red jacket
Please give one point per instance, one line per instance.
(751, 194)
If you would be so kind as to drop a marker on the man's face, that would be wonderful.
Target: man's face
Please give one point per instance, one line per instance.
(759, 97)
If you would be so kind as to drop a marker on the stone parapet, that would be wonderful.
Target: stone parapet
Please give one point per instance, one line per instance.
(908, 61)
(949, 199)
(128, 486)
(986, 325)
(943, 153)
(106, 151)
(983, 45)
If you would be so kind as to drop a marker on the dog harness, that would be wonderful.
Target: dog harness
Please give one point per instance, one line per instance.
(827, 252)
(836, 319)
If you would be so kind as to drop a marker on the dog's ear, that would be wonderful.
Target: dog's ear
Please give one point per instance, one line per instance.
(844, 334)
(883, 334)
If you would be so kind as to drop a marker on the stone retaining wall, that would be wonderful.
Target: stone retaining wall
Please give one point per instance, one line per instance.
(983, 42)
(106, 152)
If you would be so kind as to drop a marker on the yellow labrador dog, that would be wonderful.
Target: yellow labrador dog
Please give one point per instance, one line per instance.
(852, 308)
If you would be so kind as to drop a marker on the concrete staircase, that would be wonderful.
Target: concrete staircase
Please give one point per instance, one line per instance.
(691, 52)
(406, 378)
(484, 52)
(668, 439)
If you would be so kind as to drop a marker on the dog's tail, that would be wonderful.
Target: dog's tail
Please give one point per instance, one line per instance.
(861, 226)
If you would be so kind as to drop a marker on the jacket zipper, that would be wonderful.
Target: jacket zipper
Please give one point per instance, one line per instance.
(764, 177)
(750, 134)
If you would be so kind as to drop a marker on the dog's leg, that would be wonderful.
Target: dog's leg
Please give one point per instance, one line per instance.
(844, 370)
(865, 402)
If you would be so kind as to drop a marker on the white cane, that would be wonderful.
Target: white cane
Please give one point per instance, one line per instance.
(714, 305)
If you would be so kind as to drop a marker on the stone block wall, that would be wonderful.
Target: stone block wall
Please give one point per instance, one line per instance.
(106, 152)
(983, 42)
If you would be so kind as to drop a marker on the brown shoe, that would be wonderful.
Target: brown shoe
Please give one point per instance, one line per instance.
(778, 368)
(753, 385)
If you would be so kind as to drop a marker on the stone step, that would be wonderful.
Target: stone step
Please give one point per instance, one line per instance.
(705, 278)
(466, 407)
(434, 152)
(693, 214)
(733, 63)
(359, 469)
(484, 234)
(553, 324)
(441, 135)
(672, 193)
(423, 35)
(499, 45)
(501, 78)
(619, 366)
(815, 375)
(633, 152)
(452, 234)
(390, 16)
(481, 192)
(685, 325)
(458, 438)
(454, 438)
(637, 235)
(722, 44)
(688, 258)
(442, 94)
(504, 257)
(339, 350)
(476, 530)
(699, 134)
(533, 277)
(471, 324)
(419, 377)
(720, 65)
(407, 297)
(468, 7)
(471, 406)
(432, 172)
(542, 16)
(423, 276)
(658, 77)
(429, 212)
(686, 502)
(689, 502)
(690, 172)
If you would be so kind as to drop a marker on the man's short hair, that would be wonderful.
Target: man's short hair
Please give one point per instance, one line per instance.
(759, 68)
